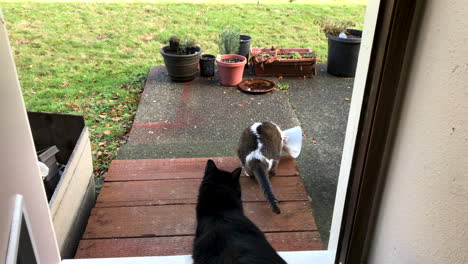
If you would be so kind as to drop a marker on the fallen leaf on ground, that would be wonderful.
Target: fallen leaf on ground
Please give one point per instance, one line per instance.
(106, 132)
(22, 41)
(347, 99)
(101, 36)
(116, 119)
(314, 140)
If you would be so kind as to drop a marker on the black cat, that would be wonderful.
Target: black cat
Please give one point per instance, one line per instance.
(224, 234)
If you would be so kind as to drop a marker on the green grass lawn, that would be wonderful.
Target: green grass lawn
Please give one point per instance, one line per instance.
(91, 58)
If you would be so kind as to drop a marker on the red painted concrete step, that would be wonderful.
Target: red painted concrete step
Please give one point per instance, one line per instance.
(186, 168)
(183, 191)
(176, 220)
(182, 245)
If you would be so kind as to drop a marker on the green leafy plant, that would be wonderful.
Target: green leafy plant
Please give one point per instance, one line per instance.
(283, 86)
(190, 43)
(334, 27)
(295, 55)
(309, 55)
(188, 46)
(191, 46)
(174, 43)
(229, 40)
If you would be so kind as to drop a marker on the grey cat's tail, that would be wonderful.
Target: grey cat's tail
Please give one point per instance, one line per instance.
(264, 181)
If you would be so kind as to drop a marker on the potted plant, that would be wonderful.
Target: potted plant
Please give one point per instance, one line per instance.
(230, 64)
(284, 62)
(181, 59)
(343, 46)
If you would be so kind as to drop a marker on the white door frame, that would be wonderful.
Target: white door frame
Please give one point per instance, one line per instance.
(18, 164)
(42, 228)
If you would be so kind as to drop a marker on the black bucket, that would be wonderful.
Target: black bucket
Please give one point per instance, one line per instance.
(207, 65)
(244, 47)
(343, 54)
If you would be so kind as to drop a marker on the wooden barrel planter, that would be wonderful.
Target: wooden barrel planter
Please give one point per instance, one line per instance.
(276, 62)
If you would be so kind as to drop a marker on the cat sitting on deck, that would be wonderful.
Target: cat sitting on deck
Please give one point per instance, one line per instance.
(224, 234)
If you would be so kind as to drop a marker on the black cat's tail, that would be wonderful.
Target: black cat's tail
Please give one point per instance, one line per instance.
(264, 181)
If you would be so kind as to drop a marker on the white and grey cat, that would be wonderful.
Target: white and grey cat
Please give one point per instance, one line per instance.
(259, 151)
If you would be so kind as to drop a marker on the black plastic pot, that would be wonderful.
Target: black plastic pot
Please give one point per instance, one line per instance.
(207, 65)
(244, 47)
(343, 54)
(181, 68)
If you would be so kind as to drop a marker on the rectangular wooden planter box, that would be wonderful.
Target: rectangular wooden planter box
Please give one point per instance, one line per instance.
(284, 67)
(74, 196)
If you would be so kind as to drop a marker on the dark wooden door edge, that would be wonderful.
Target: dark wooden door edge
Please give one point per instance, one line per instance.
(382, 87)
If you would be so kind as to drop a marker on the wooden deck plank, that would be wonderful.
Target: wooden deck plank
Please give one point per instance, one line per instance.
(181, 191)
(187, 168)
(176, 220)
(147, 208)
(182, 245)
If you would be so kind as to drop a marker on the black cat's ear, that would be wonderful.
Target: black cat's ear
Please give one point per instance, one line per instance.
(210, 167)
(236, 174)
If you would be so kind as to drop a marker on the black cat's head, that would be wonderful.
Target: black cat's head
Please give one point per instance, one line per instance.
(222, 180)
(219, 189)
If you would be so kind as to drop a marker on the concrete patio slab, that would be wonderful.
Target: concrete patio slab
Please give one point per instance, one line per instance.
(204, 119)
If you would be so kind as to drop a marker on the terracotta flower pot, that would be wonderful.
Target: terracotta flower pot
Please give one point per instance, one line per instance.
(230, 73)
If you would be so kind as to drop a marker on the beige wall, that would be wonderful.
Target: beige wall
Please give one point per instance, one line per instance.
(423, 217)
